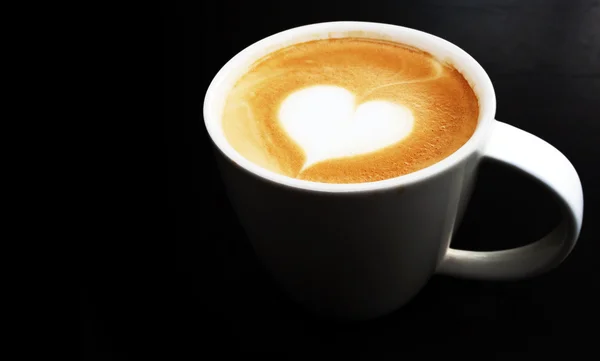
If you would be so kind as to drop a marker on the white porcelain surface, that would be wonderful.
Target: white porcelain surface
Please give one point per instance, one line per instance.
(362, 250)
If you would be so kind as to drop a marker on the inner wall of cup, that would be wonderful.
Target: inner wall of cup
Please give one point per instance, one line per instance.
(439, 48)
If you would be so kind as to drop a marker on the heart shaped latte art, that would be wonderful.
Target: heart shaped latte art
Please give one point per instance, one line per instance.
(326, 123)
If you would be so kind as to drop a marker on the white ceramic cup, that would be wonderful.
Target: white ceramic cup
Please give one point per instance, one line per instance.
(359, 251)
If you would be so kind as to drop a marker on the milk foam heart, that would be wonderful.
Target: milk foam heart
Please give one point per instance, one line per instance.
(327, 123)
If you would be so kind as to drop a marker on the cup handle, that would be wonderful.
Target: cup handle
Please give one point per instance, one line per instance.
(535, 157)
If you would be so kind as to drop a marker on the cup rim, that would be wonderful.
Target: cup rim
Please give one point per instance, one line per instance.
(483, 88)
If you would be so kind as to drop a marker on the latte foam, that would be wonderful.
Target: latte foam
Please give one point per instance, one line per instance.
(349, 110)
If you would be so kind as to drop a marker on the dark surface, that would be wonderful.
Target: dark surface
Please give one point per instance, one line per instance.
(544, 60)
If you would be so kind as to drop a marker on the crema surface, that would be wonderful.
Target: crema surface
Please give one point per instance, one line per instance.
(349, 110)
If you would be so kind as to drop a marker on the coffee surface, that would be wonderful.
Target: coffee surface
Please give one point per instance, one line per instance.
(349, 110)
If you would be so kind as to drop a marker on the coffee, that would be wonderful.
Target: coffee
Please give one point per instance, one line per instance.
(349, 110)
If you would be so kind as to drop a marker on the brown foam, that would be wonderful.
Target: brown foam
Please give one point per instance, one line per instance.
(444, 107)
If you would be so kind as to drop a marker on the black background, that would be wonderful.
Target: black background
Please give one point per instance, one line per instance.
(207, 291)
